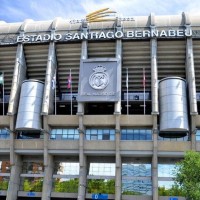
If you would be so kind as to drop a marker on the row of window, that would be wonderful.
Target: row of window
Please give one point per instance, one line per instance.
(95, 134)
(136, 177)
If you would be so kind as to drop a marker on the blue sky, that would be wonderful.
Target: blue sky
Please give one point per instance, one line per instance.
(39, 10)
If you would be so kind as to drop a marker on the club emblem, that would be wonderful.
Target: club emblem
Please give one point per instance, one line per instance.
(99, 79)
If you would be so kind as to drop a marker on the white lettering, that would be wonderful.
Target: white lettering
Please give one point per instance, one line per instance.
(38, 38)
(154, 33)
(84, 36)
(33, 37)
(102, 35)
(46, 37)
(93, 35)
(119, 34)
(130, 34)
(172, 33)
(68, 36)
(180, 33)
(110, 35)
(19, 38)
(26, 38)
(138, 34)
(76, 36)
(146, 34)
(163, 33)
(57, 37)
(188, 33)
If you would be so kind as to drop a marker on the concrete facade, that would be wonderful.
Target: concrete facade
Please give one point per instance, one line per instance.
(162, 56)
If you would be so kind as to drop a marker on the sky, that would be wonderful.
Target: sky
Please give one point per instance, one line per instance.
(40, 10)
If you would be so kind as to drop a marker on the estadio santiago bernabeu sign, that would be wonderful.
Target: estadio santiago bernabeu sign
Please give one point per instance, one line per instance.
(99, 80)
(67, 36)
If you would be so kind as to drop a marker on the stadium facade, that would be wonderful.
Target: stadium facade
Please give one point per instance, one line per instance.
(112, 101)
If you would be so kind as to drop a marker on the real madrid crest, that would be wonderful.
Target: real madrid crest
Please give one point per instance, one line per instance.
(99, 79)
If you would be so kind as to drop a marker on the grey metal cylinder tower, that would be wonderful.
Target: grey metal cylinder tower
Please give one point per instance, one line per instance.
(173, 107)
(29, 111)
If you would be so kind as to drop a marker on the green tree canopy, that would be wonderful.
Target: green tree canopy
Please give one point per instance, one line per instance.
(187, 175)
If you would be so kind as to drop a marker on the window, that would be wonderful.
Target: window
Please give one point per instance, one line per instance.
(29, 135)
(32, 168)
(4, 134)
(166, 173)
(65, 134)
(101, 178)
(178, 139)
(100, 134)
(198, 135)
(136, 134)
(4, 166)
(136, 179)
(66, 168)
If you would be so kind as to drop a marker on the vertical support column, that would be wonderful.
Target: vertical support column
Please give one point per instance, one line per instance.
(118, 54)
(80, 113)
(155, 160)
(190, 76)
(47, 105)
(118, 168)
(48, 164)
(19, 75)
(14, 182)
(16, 166)
(155, 110)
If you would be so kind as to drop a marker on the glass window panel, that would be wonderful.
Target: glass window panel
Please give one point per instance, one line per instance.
(123, 136)
(136, 136)
(129, 137)
(106, 137)
(129, 131)
(76, 137)
(93, 131)
(102, 169)
(65, 132)
(59, 131)
(166, 170)
(136, 187)
(112, 137)
(94, 137)
(100, 137)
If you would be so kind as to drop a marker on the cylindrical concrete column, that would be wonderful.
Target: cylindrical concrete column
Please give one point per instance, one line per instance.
(82, 169)
(14, 182)
(118, 168)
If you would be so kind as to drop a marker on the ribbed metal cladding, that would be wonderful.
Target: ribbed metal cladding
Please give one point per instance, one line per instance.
(173, 105)
(68, 57)
(36, 61)
(171, 58)
(7, 63)
(196, 52)
(30, 105)
(101, 49)
(135, 57)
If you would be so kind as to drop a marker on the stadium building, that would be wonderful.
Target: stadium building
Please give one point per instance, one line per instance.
(97, 109)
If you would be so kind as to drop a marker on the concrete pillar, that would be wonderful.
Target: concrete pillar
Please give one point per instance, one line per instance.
(155, 165)
(118, 168)
(14, 182)
(80, 113)
(19, 75)
(118, 55)
(190, 76)
(48, 178)
(155, 109)
(82, 169)
(48, 164)
(49, 93)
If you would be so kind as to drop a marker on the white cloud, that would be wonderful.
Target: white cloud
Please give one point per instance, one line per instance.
(19, 10)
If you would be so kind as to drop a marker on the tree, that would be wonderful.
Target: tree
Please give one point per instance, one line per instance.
(187, 175)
